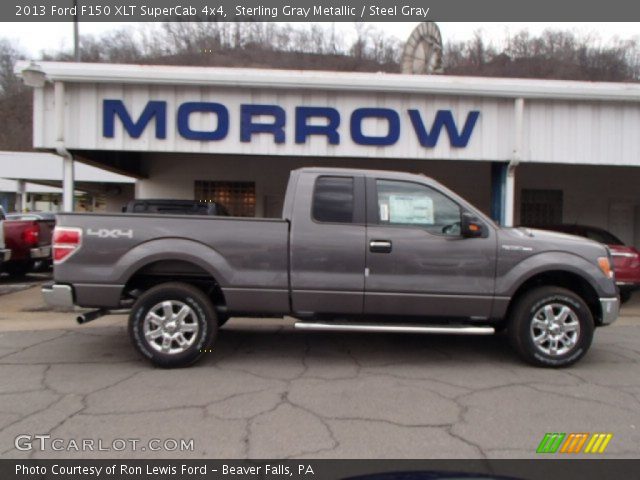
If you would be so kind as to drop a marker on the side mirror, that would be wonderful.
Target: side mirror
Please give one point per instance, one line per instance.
(471, 226)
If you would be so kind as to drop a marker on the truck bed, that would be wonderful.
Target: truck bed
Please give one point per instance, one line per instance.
(247, 257)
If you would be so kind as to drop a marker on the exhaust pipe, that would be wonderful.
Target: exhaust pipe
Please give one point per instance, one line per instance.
(90, 316)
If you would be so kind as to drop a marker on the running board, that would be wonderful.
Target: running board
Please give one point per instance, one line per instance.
(390, 328)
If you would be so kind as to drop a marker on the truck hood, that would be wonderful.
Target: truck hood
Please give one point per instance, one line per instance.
(537, 241)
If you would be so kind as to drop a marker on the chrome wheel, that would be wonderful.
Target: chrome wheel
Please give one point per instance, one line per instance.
(555, 329)
(171, 327)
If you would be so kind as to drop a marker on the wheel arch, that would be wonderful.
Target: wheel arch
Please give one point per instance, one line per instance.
(171, 269)
(567, 279)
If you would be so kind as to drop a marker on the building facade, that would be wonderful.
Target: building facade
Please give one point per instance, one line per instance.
(32, 181)
(531, 152)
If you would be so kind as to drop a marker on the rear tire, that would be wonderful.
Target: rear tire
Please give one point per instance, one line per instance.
(173, 324)
(551, 327)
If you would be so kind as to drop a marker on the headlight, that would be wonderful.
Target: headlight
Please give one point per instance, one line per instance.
(605, 265)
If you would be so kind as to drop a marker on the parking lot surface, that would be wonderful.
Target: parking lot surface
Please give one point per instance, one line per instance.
(268, 391)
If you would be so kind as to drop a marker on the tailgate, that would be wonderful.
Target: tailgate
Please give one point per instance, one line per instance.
(14, 238)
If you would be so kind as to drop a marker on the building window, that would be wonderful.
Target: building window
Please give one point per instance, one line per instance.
(239, 198)
(540, 208)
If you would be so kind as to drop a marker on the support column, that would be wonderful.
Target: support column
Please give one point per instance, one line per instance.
(503, 174)
(509, 196)
(68, 182)
(510, 179)
(498, 190)
(20, 195)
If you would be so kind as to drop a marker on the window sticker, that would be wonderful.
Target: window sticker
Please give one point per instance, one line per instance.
(384, 212)
(411, 209)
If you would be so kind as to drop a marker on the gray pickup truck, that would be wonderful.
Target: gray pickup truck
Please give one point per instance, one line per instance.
(355, 250)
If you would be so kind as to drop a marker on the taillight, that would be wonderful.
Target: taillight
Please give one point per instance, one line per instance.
(66, 240)
(31, 235)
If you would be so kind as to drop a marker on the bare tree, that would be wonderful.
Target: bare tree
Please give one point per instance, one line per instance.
(9, 54)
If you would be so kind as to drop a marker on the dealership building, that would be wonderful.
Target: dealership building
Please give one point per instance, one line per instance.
(530, 152)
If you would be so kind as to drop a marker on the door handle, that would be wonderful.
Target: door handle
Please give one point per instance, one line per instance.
(380, 246)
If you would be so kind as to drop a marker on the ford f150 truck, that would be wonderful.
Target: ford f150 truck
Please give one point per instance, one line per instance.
(357, 250)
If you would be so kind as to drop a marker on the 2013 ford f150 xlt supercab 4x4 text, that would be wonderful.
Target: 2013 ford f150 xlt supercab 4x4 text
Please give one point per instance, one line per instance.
(359, 250)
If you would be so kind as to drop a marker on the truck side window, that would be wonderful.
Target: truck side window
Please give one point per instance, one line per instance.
(333, 200)
(412, 204)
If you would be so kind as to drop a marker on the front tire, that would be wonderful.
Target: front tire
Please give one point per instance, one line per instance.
(551, 327)
(173, 324)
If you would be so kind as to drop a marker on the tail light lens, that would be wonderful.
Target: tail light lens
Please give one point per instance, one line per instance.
(66, 240)
(31, 235)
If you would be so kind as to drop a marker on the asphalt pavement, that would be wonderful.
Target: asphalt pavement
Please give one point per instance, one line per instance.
(269, 391)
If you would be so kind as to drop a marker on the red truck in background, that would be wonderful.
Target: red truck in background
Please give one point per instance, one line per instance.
(626, 258)
(28, 237)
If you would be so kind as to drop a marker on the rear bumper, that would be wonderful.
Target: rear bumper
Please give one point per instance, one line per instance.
(40, 253)
(628, 285)
(5, 255)
(610, 309)
(56, 295)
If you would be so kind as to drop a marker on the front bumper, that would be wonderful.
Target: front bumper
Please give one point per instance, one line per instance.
(40, 252)
(56, 295)
(610, 309)
(5, 255)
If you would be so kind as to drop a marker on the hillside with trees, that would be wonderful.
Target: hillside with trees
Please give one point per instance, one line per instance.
(552, 54)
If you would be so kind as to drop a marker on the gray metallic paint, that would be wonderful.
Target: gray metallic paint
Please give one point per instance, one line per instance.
(258, 262)
(327, 259)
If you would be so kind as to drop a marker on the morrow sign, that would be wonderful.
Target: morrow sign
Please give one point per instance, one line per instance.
(266, 119)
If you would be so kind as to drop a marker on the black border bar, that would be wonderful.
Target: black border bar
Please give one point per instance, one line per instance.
(318, 10)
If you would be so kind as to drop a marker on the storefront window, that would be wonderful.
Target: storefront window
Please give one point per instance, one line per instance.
(239, 198)
(540, 208)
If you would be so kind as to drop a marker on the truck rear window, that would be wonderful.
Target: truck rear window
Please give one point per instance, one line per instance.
(333, 200)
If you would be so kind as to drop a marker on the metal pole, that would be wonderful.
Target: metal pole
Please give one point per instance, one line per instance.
(518, 146)
(76, 34)
(68, 186)
(21, 193)
(509, 196)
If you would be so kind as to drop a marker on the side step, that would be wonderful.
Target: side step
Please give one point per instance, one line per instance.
(391, 328)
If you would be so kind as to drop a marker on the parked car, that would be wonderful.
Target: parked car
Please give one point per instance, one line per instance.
(355, 250)
(28, 236)
(5, 253)
(626, 259)
(176, 207)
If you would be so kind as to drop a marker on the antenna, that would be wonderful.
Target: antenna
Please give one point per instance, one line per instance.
(422, 54)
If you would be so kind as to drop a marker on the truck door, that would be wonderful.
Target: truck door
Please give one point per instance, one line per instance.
(327, 251)
(417, 261)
